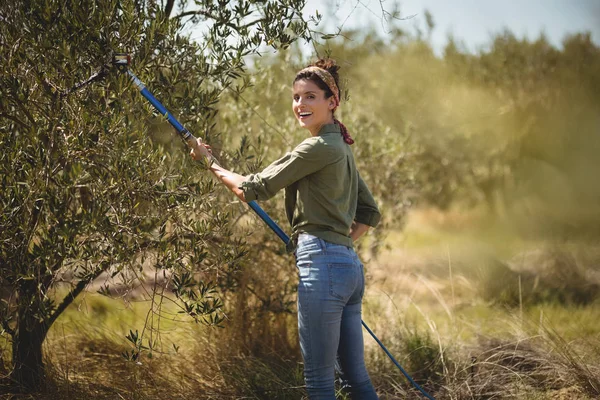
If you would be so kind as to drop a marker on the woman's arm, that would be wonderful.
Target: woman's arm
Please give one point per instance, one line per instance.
(230, 179)
(367, 211)
(308, 157)
(357, 230)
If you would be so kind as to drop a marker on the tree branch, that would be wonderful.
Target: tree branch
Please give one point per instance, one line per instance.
(25, 111)
(70, 297)
(15, 119)
(99, 75)
(169, 8)
(214, 17)
(196, 12)
(249, 24)
(7, 327)
(33, 223)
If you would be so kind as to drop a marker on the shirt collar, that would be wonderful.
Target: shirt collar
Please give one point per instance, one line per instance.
(329, 128)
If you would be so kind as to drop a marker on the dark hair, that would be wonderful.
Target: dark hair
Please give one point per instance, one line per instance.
(327, 64)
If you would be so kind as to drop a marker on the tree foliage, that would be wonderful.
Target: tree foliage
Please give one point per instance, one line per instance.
(85, 193)
(512, 127)
(507, 129)
(88, 196)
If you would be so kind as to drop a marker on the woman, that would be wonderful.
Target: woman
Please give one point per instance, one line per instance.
(329, 207)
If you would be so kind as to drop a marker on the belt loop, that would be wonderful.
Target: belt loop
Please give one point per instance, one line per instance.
(323, 244)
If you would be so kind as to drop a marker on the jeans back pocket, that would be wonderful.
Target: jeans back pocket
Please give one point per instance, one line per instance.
(342, 279)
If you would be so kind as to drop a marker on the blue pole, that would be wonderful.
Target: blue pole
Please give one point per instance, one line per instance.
(191, 140)
(272, 224)
(410, 379)
(185, 134)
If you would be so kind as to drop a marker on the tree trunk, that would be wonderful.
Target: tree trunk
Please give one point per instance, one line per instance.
(28, 365)
(30, 332)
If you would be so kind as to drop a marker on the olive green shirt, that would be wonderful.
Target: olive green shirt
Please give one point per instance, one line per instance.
(324, 192)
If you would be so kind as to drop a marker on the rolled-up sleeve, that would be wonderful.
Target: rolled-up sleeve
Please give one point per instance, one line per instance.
(307, 158)
(367, 211)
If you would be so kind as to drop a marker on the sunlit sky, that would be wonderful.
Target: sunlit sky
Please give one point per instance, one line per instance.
(472, 22)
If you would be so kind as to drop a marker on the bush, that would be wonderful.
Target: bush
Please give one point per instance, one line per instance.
(554, 274)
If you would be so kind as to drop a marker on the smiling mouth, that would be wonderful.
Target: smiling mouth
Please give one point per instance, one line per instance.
(304, 114)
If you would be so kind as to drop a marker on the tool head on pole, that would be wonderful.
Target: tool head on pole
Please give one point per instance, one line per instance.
(121, 61)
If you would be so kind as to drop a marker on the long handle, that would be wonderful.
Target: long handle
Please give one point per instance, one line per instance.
(185, 134)
(191, 141)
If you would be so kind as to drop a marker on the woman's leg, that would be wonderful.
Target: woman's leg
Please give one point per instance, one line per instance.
(319, 319)
(351, 362)
(326, 282)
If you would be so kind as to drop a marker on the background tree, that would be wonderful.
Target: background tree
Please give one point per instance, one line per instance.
(456, 131)
(84, 191)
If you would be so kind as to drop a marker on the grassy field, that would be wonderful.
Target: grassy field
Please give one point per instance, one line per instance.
(453, 308)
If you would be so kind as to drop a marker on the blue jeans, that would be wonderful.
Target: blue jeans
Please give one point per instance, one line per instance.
(330, 292)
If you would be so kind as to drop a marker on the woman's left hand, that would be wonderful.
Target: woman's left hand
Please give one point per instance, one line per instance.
(201, 151)
(357, 230)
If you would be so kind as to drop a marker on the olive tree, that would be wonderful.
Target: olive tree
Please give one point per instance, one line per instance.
(85, 191)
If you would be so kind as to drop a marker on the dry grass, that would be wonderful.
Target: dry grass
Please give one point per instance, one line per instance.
(493, 334)
(426, 300)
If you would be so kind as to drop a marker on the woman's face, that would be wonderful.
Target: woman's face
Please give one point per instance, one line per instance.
(310, 106)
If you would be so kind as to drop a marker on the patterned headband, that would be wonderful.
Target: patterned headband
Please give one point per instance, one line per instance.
(327, 78)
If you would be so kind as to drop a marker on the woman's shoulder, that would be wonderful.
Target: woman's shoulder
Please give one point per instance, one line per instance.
(325, 140)
(320, 148)
(311, 144)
